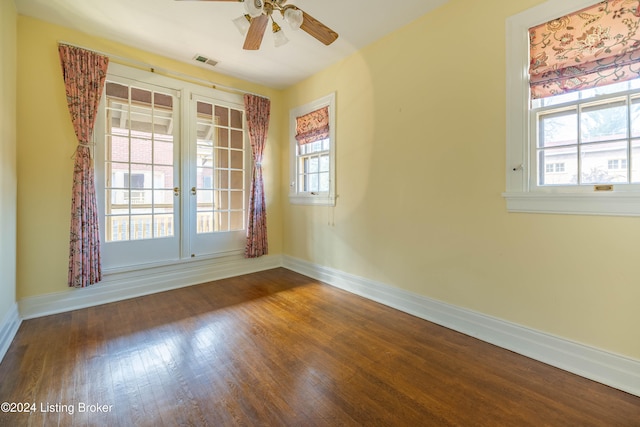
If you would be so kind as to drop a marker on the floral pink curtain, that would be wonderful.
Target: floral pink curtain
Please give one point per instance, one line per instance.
(313, 126)
(596, 46)
(258, 113)
(84, 74)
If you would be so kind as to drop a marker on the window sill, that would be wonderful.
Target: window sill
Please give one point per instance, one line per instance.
(613, 203)
(319, 200)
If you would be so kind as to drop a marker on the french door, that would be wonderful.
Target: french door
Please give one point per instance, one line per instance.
(141, 173)
(171, 170)
(218, 177)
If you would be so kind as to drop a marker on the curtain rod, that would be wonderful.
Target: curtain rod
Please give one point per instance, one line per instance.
(185, 77)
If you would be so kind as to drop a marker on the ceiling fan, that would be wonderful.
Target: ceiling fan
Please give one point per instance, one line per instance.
(258, 12)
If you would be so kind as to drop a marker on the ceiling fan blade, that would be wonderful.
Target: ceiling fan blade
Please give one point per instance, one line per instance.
(317, 29)
(256, 32)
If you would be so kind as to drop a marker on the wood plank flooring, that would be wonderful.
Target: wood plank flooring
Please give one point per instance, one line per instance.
(279, 349)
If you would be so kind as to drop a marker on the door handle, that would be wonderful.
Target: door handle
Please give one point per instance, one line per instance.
(176, 191)
(193, 191)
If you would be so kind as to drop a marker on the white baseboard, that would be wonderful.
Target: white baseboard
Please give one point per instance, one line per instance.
(8, 329)
(118, 286)
(604, 367)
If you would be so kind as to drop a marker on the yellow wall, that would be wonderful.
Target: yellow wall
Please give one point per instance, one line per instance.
(8, 173)
(46, 143)
(420, 172)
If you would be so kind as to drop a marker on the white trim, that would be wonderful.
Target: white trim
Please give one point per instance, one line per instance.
(8, 329)
(118, 286)
(312, 200)
(607, 368)
(614, 203)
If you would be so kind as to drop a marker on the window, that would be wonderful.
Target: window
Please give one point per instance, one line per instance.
(171, 161)
(312, 148)
(617, 164)
(560, 147)
(554, 167)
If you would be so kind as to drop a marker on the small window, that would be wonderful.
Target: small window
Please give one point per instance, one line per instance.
(617, 164)
(313, 153)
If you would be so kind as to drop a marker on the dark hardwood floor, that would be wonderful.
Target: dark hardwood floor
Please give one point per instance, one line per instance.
(279, 349)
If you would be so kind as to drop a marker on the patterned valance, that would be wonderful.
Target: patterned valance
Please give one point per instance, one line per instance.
(313, 126)
(595, 46)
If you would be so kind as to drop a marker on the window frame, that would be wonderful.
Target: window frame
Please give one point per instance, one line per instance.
(520, 195)
(296, 196)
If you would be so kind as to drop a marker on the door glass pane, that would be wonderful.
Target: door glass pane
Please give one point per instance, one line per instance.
(205, 222)
(118, 148)
(237, 159)
(205, 200)
(236, 220)
(237, 201)
(119, 227)
(236, 119)
(163, 199)
(163, 152)
(222, 158)
(222, 137)
(237, 139)
(163, 225)
(223, 178)
(163, 177)
(205, 178)
(222, 115)
(141, 150)
(222, 221)
(237, 180)
(221, 200)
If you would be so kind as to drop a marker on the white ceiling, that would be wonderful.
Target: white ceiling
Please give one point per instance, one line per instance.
(182, 29)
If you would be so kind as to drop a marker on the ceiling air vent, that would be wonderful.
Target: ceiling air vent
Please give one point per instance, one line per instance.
(205, 60)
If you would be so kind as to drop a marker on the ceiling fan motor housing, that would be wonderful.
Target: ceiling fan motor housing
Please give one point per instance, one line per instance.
(254, 7)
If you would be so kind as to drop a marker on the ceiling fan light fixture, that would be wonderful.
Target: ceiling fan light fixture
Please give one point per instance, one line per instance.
(254, 7)
(293, 16)
(242, 23)
(279, 38)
